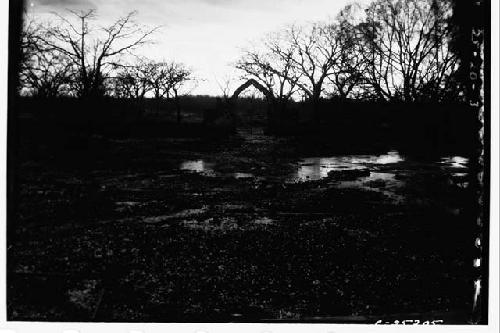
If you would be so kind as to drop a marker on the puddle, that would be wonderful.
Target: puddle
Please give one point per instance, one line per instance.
(455, 162)
(383, 173)
(315, 168)
(379, 178)
(207, 169)
(198, 166)
(459, 167)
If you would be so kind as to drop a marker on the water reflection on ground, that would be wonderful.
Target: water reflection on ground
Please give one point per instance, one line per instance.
(199, 166)
(207, 169)
(455, 161)
(384, 173)
(315, 168)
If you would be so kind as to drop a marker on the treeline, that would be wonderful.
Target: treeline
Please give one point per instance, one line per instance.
(66, 121)
(391, 50)
(73, 57)
(347, 125)
(395, 50)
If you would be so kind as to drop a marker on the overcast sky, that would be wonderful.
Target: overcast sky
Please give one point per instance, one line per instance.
(204, 34)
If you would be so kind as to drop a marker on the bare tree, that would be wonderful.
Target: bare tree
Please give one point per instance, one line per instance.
(271, 70)
(226, 86)
(49, 75)
(307, 59)
(134, 81)
(177, 77)
(158, 78)
(31, 42)
(318, 51)
(405, 46)
(95, 52)
(167, 79)
(43, 72)
(346, 74)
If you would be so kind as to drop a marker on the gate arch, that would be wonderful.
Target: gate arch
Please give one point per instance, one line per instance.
(224, 113)
(257, 85)
(267, 94)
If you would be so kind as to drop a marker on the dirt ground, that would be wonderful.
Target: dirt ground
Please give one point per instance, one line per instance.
(227, 230)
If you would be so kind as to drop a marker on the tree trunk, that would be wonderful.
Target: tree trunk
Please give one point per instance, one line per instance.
(177, 106)
(157, 98)
(271, 115)
(315, 105)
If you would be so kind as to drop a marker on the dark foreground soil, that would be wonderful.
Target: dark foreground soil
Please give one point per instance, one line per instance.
(114, 231)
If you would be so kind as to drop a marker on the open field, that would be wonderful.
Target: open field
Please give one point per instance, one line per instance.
(240, 228)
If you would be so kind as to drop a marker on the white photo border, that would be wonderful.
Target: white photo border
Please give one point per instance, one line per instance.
(493, 325)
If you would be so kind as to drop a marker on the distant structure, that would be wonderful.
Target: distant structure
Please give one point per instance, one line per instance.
(224, 114)
(248, 83)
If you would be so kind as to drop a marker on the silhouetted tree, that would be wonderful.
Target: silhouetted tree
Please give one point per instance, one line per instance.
(49, 75)
(271, 70)
(405, 46)
(157, 78)
(225, 86)
(346, 75)
(134, 81)
(31, 43)
(43, 71)
(158, 75)
(94, 55)
(177, 77)
(317, 50)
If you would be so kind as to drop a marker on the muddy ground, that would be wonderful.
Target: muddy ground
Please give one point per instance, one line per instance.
(231, 230)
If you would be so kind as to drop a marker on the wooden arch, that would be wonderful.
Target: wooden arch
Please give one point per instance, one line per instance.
(257, 85)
